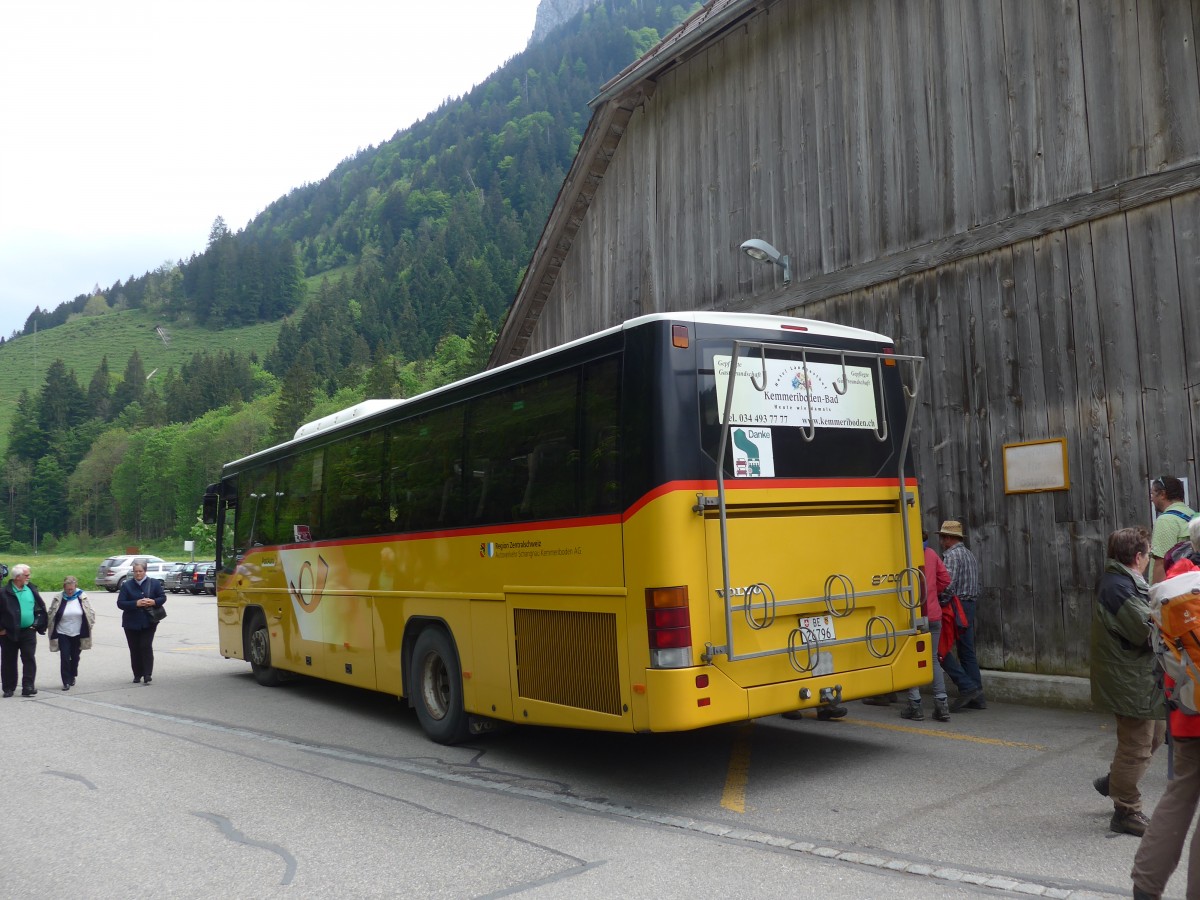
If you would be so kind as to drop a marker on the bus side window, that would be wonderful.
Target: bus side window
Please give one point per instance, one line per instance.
(601, 437)
(298, 514)
(451, 510)
(550, 489)
(604, 470)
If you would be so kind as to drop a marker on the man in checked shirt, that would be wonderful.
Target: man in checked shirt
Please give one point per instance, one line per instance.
(962, 666)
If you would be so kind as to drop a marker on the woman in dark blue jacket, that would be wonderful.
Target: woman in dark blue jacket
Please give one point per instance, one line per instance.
(137, 595)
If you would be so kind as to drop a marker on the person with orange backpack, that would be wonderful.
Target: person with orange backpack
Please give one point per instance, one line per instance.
(1123, 674)
(1162, 845)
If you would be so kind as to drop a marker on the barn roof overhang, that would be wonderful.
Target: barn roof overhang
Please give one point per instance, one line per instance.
(612, 109)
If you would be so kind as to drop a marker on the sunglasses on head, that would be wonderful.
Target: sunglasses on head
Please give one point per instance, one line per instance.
(1158, 484)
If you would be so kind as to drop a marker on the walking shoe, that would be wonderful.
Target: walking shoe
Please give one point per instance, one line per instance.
(1128, 821)
(147, 680)
(941, 710)
(912, 711)
(966, 699)
(67, 686)
(979, 702)
(28, 692)
(8, 693)
(880, 700)
(825, 713)
(1101, 785)
(1139, 894)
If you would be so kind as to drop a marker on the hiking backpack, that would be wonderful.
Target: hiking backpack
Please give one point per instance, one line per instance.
(1175, 637)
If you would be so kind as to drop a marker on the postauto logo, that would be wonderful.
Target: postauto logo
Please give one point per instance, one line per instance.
(487, 550)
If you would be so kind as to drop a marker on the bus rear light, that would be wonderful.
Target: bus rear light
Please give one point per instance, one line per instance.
(668, 618)
(701, 681)
(889, 362)
(669, 627)
(704, 701)
(679, 337)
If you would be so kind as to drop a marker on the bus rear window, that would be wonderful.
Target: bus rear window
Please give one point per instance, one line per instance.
(801, 415)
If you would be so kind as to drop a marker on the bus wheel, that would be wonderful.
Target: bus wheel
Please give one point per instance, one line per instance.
(437, 687)
(258, 646)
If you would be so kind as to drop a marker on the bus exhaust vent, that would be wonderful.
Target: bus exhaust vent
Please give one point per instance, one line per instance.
(569, 658)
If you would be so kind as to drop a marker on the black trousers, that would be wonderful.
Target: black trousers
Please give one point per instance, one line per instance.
(24, 644)
(68, 657)
(141, 651)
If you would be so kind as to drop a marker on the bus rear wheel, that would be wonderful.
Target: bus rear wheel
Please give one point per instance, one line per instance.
(437, 687)
(258, 651)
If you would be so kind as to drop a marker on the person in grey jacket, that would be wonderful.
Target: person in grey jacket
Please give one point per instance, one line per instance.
(1123, 675)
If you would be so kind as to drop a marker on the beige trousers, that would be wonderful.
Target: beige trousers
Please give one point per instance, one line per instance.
(1137, 739)
(1160, 849)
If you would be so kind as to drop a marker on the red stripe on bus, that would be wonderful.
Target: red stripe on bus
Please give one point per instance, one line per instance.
(753, 484)
(694, 487)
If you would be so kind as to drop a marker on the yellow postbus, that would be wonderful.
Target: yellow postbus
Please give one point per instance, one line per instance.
(685, 520)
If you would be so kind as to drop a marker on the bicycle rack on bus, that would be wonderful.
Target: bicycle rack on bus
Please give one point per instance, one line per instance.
(760, 606)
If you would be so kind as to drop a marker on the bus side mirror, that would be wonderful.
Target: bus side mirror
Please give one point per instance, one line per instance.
(209, 512)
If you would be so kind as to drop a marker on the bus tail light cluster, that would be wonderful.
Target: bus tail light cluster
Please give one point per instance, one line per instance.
(669, 627)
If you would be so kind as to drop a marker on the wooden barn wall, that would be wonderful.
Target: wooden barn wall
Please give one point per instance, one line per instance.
(1082, 334)
(850, 132)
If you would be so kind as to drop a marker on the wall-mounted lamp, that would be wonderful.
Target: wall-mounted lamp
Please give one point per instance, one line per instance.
(759, 249)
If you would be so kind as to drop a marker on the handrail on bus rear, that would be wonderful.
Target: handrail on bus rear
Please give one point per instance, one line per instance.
(905, 581)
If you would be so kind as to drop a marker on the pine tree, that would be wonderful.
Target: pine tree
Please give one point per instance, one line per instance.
(99, 393)
(131, 386)
(295, 397)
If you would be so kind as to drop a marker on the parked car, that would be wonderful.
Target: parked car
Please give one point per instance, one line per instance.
(161, 571)
(202, 577)
(210, 580)
(171, 579)
(114, 570)
(182, 579)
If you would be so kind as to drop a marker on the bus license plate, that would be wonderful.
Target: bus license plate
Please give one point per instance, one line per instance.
(820, 626)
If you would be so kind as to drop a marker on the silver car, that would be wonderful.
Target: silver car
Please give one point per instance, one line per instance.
(114, 570)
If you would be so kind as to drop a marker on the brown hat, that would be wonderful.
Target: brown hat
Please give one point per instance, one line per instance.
(951, 528)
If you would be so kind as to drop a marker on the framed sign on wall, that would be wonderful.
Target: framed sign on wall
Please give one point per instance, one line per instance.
(1033, 466)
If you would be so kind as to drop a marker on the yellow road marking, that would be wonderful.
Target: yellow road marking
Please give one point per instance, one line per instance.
(949, 735)
(734, 796)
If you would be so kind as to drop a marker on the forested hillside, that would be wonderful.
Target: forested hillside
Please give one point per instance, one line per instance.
(385, 278)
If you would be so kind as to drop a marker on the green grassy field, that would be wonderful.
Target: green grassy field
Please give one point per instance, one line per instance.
(47, 570)
(83, 343)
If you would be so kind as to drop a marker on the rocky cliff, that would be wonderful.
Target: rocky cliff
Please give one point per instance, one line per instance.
(552, 13)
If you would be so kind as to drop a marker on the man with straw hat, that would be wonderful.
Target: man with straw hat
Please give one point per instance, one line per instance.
(962, 666)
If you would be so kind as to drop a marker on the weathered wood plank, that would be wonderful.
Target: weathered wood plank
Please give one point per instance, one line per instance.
(1170, 91)
(1185, 213)
(1112, 91)
(1158, 319)
(987, 99)
(1119, 360)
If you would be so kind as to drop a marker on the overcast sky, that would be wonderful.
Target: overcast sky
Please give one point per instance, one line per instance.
(128, 126)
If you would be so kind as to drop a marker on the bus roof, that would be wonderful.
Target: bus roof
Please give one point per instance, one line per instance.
(370, 408)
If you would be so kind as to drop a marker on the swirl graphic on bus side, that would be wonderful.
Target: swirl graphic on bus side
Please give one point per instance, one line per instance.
(308, 594)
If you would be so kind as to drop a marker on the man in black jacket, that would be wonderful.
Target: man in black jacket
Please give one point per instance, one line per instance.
(22, 613)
